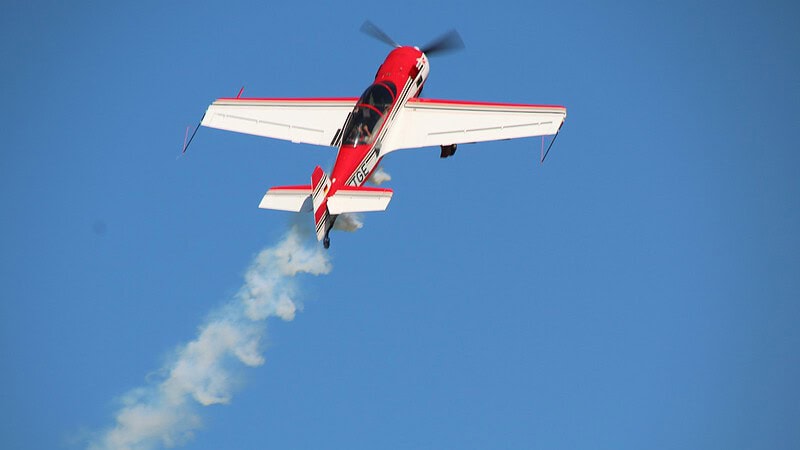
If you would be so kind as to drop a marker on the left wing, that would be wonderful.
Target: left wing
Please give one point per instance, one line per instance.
(308, 120)
(426, 122)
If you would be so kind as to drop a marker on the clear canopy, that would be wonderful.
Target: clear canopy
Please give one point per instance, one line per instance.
(369, 114)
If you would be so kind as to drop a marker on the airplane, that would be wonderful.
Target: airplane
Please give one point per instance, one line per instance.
(390, 115)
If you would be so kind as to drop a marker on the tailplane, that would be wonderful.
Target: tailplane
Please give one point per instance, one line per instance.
(351, 199)
(288, 198)
(315, 198)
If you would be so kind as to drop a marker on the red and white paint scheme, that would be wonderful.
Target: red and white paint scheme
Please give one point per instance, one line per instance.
(388, 116)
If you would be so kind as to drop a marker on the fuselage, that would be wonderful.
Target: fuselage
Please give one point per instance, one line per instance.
(400, 77)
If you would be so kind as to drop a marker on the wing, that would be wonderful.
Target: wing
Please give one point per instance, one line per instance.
(425, 122)
(308, 120)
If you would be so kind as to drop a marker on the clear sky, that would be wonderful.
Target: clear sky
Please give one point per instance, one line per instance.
(641, 289)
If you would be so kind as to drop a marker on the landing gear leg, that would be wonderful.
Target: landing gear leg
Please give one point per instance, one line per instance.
(448, 150)
(326, 241)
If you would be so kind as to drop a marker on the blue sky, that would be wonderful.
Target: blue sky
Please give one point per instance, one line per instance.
(641, 289)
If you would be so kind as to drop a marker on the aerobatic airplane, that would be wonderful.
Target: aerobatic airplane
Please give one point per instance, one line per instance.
(388, 116)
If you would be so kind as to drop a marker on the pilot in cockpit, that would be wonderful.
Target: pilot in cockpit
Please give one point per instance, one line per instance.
(365, 133)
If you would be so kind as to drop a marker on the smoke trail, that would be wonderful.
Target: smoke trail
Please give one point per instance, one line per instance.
(379, 176)
(164, 413)
(348, 222)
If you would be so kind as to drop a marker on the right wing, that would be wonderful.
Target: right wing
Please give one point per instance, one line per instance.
(427, 123)
(315, 121)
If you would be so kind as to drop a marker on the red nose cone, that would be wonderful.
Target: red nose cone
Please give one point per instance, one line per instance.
(399, 65)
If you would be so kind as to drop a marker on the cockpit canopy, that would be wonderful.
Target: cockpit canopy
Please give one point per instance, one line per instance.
(369, 114)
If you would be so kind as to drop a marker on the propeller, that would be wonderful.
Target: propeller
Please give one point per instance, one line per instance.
(447, 42)
(373, 30)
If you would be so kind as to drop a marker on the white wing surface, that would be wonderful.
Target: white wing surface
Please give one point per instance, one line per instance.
(308, 120)
(426, 122)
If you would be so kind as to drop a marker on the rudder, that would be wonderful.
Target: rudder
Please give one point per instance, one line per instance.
(321, 184)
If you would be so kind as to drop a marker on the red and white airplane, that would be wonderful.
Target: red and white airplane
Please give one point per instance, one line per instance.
(388, 116)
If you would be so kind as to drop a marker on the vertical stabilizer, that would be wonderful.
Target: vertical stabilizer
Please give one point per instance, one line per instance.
(320, 184)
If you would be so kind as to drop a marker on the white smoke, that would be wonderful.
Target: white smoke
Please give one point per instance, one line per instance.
(348, 222)
(202, 372)
(379, 176)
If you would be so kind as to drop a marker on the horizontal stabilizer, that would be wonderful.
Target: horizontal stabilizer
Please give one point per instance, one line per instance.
(351, 199)
(288, 198)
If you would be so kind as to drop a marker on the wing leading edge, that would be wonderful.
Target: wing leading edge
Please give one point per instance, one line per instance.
(310, 121)
(427, 122)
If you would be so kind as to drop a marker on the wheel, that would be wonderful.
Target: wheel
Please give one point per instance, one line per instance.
(326, 242)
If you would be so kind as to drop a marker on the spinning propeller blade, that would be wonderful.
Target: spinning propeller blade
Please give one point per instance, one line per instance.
(447, 42)
(373, 30)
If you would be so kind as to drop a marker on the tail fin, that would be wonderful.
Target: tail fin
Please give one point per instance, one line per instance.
(320, 185)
